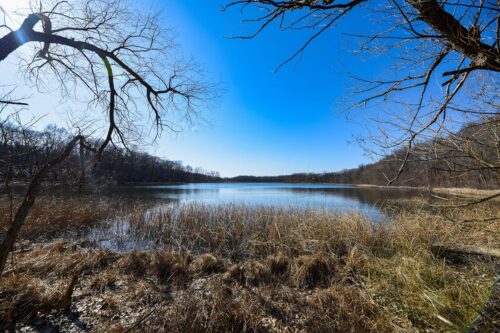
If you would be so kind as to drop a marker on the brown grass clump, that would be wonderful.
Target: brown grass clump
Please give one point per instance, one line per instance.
(233, 273)
(278, 266)
(236, 309)
(102, 281)
(255, 272)
(63, 259)
(344, 309)
(272, 269)
(16, 306)
(53, 217)
(135, 263)
(167, 267)
(22, 299)
(206, 264)
(225, 310)
(355, 261)
(172, 267)
(314, 270)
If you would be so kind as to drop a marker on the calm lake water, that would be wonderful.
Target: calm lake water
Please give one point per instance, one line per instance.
(321, 196)
(121, 235)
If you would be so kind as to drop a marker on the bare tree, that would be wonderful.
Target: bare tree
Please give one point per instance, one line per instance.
(124, 64)
(443, 82)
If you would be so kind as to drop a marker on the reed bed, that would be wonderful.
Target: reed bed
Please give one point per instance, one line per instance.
(54, 217)
(234, 268)
(238, 232)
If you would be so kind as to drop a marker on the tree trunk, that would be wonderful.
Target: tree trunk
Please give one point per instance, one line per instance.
(463, 40)
(29, 201)
(10, 42)
(82, 167)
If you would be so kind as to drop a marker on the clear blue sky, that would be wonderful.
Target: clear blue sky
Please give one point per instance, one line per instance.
(267, 123)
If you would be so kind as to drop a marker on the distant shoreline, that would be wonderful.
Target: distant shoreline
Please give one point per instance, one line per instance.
(463, 191)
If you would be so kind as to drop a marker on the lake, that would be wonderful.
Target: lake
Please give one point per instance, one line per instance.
(151, 233)
(302, 196)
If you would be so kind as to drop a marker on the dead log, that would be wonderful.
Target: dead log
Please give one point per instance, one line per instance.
(464, 253)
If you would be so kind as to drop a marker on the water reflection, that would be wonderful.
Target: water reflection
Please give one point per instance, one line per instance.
(155, 227)
(322, 196)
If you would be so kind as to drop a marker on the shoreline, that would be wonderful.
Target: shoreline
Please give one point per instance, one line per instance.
(466, 191)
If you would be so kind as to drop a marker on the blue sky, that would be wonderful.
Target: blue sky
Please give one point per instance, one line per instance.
(266, 123)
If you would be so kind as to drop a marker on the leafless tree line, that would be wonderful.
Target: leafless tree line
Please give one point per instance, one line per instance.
(23, 151)
(458, 161)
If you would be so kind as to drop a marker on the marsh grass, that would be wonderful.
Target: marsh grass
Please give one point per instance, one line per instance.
(54, 217)
(235, 268)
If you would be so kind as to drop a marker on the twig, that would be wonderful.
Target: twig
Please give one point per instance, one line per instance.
(140, 321)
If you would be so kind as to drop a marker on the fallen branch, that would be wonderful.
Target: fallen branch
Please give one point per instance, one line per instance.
(141, 320)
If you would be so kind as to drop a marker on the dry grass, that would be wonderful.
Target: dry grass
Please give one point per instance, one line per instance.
(54, 216)
(245, 232)
(468, 192)
(206, 264)
(244, 269)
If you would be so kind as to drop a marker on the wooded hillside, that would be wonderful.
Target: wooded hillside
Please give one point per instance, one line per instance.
(475, 164)
(468, 158)
(23, 152)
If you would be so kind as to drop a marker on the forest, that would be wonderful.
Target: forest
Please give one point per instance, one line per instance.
(435, 164)
(23, 151)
